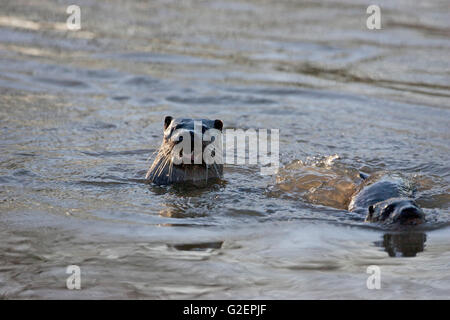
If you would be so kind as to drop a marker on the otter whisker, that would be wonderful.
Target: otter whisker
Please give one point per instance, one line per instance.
(153, 153)
(158, 164)
(160, 154)
(162, 167)
(170, 170)
(161, 161)
(216, 169)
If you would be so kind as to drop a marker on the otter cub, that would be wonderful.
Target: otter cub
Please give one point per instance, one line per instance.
(386, 199)
(190, 152)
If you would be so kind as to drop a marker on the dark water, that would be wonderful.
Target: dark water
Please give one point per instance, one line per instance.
(81, 112)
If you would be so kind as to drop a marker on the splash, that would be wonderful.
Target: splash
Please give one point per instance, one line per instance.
(319, 180)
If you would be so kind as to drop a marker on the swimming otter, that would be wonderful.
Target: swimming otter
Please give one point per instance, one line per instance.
(386, 199)
(190, 152)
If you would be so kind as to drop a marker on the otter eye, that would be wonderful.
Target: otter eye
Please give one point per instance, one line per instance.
(213, 139)
(387, 211)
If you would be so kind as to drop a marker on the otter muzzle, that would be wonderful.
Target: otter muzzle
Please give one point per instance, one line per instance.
(410, 216)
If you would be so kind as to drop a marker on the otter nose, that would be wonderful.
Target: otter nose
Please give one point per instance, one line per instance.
(411, 215)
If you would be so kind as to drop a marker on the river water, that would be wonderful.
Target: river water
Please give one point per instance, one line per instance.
(82, 111)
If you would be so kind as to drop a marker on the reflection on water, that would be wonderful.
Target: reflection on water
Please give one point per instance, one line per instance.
(403, 244)
(199, 246)
(81, 112)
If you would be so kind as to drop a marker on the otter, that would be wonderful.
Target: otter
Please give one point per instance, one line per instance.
(181, 156)
(386, 199)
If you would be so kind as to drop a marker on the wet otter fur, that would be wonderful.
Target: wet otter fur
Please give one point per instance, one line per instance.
(165, 170)
(387, 199)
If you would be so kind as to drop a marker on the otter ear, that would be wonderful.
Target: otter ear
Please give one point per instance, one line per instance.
(218, 124)
(167, 121)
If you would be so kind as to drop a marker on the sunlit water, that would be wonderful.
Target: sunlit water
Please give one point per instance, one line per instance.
(81, 112)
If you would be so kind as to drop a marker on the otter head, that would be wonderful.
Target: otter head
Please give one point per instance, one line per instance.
(189, 147)
(396, 211)
(188, 139)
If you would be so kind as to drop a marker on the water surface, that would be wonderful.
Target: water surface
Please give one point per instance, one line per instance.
(81, 112)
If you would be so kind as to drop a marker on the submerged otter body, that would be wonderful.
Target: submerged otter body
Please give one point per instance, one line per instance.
(181, 156)
(386, 199)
